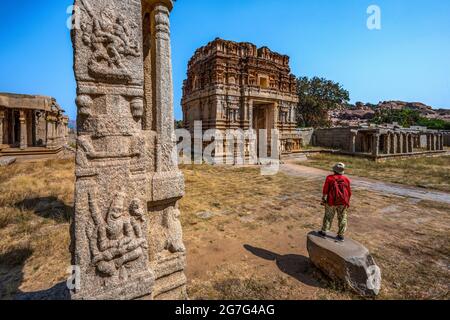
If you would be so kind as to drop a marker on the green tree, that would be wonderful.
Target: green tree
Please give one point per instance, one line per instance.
(435, 124)
(404, 117)
(407, 118)
(318, 96)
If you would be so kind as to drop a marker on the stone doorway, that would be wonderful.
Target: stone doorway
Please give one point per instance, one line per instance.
(263, 119)
(15, 132)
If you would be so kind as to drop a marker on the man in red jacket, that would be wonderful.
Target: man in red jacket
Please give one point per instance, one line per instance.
(337, 193)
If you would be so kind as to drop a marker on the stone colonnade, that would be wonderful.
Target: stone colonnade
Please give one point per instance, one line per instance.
(56, 129)
(402, 142)
(435, 142)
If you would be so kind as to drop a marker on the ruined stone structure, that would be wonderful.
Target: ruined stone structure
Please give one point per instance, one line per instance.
(238, 86)
(446, 135)
(378, 142)
(126, 233)
(31, 126)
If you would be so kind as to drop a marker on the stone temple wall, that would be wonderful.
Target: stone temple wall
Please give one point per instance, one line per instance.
(335, 138)
(234, 85)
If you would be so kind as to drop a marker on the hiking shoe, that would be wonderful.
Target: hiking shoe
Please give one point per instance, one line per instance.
(340, 238)
(322, 234)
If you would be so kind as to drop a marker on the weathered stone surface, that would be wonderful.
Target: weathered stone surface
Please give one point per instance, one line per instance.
(28, 121)
(234, 86)
(6, 161)
(348, 262)
(381, 141)
(126, 233)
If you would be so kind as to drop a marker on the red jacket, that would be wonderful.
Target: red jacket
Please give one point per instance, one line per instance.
(327, 188)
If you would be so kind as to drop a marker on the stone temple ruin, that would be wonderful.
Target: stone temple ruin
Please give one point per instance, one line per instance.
(232, 86)
(238, 86)
(31, 126)
(126, 232)
(381, 142)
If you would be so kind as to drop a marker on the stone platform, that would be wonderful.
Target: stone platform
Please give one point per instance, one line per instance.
(31, 153)
(348, 262)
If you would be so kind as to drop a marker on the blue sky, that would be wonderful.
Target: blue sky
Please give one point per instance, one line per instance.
(408, 59)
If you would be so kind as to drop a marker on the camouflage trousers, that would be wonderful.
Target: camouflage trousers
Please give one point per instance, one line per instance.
(330, 212)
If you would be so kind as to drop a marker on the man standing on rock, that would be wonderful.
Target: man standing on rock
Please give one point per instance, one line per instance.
(336, 199)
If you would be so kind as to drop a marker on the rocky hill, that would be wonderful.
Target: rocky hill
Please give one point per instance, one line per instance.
(361, 113)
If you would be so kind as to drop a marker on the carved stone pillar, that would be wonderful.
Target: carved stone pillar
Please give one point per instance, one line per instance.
(353, 135)
(276, 115)
(2, 119)
(408, 143)
(48, 138)
(394, 143)
(405, 143)
(376, 145)
(388, 144)
(400, 142)
(442, 142)
(168, 182)
(126, 233)
(250, 114)
(23, 130)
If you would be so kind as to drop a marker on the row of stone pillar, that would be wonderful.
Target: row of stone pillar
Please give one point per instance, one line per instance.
(435, 142)
(2, 119)
(56, 131)
(404, 143)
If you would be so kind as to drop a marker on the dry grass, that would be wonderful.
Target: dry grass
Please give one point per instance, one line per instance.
(252, 247)
(432, 173)
(35, 206)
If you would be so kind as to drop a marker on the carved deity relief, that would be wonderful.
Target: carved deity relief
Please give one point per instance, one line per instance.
(117, 238)
(111, 38)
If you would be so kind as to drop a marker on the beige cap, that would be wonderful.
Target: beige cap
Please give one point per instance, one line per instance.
(339, 168)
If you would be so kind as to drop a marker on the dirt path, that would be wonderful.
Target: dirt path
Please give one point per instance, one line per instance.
(294, 169)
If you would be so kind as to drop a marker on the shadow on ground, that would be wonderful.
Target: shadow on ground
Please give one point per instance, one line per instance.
(296, 266)
(48, 207)
(11, 278)
(11, 271)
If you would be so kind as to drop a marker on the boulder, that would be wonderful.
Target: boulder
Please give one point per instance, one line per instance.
(6, 161)
(348, 262)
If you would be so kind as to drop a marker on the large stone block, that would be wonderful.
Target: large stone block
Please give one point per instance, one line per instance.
(348, 262)
(6, 161)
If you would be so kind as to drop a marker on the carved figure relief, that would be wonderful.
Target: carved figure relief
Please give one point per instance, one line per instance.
(110, 37)
(117, 238)
(174, 230)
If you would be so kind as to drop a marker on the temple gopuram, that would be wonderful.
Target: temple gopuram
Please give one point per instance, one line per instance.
(31, 126)
(238, 86)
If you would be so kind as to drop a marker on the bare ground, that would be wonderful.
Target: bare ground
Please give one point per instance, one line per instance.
(427, 173)
(296, 169)
(245, 235)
